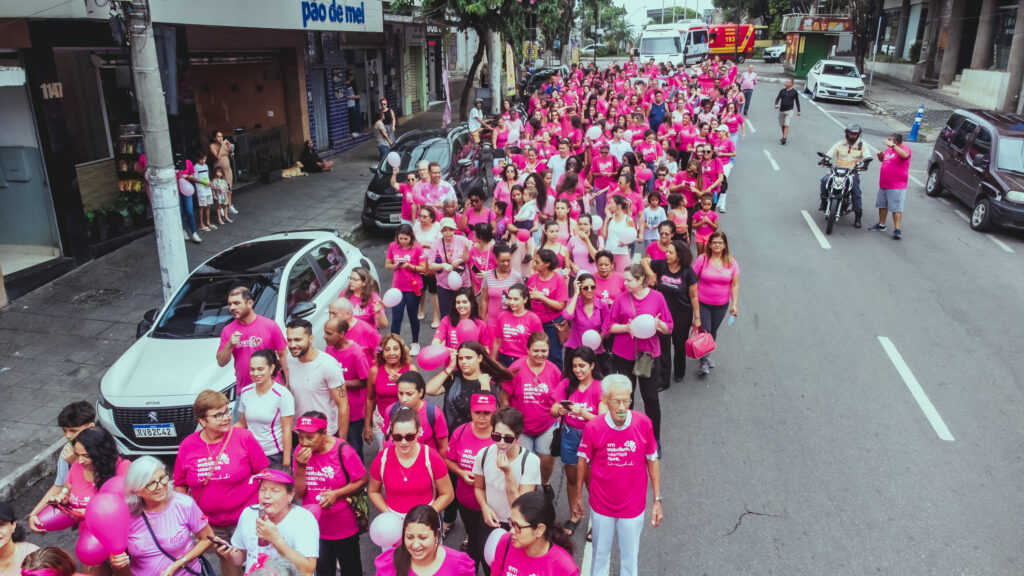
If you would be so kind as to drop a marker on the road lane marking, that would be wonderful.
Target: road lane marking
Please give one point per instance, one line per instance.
(850, 113)
(751, 126)
(775, 165)
(915, 390)
(817, 231)
(1000, 243)
(962, 215)
(916, 181)
(945, 201)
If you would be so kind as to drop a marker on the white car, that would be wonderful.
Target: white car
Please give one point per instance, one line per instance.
(146, 397)
(835, 80)
(774, 53)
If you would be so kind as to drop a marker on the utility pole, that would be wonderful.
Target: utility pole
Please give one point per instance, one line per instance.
(149, 94)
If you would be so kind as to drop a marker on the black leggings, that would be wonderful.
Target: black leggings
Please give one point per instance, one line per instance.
(648, 389)
(345, 551)
(673, 346)
(711, 317)
(477, 532)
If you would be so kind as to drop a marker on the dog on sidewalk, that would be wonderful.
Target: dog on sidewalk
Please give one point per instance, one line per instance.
(294, 171)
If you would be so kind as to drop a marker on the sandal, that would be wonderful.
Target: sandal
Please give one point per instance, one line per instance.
(204, 229)
(214, 226)
(570, 527)
(590, 536)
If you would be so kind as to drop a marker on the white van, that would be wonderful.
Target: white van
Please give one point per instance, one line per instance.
(685, 41)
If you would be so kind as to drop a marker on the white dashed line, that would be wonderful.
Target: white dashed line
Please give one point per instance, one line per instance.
(1000, 243)
(916, 181)
(751, 126)
(945, 201)
(915, 390)
(817, 231)
(962, 215)
(775, 165)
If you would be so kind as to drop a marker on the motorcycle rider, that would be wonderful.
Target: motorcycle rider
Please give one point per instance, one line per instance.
(846, 154)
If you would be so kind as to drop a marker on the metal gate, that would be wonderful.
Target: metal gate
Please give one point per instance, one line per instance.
(322, 137)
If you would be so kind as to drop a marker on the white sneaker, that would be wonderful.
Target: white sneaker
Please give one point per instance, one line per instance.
(195, 237)
(232, 209)
(355, 134)
(414, 349)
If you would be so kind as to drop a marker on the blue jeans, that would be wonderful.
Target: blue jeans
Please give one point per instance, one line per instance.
(383, 150)
(747, 95)
(410, 304)
(188, 212)
(555, 347)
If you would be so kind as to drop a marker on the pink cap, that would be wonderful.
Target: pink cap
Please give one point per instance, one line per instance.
(483, 403)
(310, 424)
(279, 476)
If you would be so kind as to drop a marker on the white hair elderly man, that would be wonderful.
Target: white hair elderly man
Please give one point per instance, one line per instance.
(620, 452)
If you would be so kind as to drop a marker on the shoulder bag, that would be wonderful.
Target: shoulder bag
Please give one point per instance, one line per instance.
(643, 363)
(700, 342)
(205, 569)
(360, 501)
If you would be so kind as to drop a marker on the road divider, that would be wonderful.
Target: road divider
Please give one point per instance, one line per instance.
(915, 389)
(816, 231)
(775, 165)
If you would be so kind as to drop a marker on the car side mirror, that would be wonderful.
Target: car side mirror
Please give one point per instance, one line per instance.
(148, 319)
(373, 168)
(302, 309)
(863, 76)
(686, 49)
(980, 161)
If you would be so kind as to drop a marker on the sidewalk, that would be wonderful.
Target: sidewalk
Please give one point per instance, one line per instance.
(57, 342)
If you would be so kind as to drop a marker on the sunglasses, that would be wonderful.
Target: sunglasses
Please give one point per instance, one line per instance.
(506, 438)
(396, 438)
(588, 288)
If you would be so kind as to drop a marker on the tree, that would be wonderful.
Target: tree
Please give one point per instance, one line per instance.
(865, 14)
(554, 18)
(620, 33)
(607, 14)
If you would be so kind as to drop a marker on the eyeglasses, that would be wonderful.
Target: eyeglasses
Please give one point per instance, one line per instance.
(625, 402)
(160, 482)
(506, 438)
(396, 438)
(588, 288)
(225, 415)
(517, 527)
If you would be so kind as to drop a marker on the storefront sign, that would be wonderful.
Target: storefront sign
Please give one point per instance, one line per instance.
(415, 35)
(323, 15)
(320, 12)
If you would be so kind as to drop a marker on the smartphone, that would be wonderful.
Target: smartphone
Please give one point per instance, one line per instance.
(218, 541)
(567, 404)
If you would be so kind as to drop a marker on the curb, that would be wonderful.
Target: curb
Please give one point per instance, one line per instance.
(40, 466)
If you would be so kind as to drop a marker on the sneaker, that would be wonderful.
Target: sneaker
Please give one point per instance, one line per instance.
(214, 226)
(877, 228)
(232, 209)
(704, 368)
(897, 234)
(711, 361)
(721, 209)
(783, 141)
(822, 205)
(355, 134)
(856, 221)
(414, 350)
(195, 238)
(549, 492)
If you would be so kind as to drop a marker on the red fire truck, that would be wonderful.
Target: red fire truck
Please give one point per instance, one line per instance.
(722, 41)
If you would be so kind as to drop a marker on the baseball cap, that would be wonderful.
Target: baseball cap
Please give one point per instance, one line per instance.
(722, 128)
(483, 403)
(279, 476)
(7, 512)
(448, 223)
(311, 424)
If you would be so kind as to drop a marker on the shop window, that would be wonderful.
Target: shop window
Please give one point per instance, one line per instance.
(85, 108)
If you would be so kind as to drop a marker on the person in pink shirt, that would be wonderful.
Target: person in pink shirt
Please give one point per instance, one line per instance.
(618, 453)
(412, 391)
(449, 253)
(420, 551)
(407, 259)
(548, 294)
(718, 288)
(465, 443)
(536, 543)
(583, 246)
(96, 462)
(481, 255)
(474, 212)
(705, 222)
(214, 466)
(327, 472)
(639, 300)
(515, 326)
(686, 135)
(363, 292)
(533, 390)
(408, 473)
(358, 331)
(499, 136)
(389, 364)
(892, 184)
(247, 333)
(160, 520)
(609, 282)
(603, 170)
(464, 309)
(494, 285)
(509, 177)
(405, 190)
(344, 404)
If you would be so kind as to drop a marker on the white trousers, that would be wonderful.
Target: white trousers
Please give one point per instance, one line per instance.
(604, 529)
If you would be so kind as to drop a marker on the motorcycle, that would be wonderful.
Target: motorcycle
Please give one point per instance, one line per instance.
(839, 187)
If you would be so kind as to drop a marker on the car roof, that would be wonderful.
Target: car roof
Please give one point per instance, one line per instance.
(837, 62)
(265, 253)
(1004, 124)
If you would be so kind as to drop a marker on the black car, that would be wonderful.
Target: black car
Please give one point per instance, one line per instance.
(533, 81)
(452, 148)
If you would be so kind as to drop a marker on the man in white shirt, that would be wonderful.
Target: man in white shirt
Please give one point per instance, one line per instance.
(617, 147)
(477, 122)
(317, 383)
(557, 164)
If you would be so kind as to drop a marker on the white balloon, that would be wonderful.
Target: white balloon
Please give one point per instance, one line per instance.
(454, 280)
(596, 222)
(386, 529)
(491, 546)
(392, 297)
(394, 159)
(643, 326)
(592, 339)
(594, 132)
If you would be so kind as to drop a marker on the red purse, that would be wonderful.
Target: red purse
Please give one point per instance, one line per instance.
(700, 343)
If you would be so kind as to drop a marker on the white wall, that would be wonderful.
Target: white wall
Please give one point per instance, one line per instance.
(984, 88)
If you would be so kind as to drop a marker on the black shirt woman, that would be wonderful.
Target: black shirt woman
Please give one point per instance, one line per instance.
(677, 282)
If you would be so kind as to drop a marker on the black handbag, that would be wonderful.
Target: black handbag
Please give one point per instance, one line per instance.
(205, 569)
(556, 440)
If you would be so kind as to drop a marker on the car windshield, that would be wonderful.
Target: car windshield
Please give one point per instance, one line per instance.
(1011, 155)
(660, 45)
(412, 151)
(840, 70)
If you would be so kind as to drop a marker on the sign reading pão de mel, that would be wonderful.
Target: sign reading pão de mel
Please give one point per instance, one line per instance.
(340, 13)
(322, 15)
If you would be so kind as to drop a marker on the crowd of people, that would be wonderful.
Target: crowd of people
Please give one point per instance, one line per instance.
(554, 297)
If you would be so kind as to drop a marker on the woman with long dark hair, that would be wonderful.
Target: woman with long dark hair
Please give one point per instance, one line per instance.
(536, 544)
(718, 288)
(13, 548)
(464, 309)
(420, 551)
(548, 294)
(408, 473)
(515, 325)
(268, 408)
(584, 246)
(96, 461)
(580, 403)
(364, 294)
(495, 283)
(677, 282)
(406, 257)
(471, 370)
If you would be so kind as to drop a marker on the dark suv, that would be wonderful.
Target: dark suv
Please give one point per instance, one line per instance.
(452, 148)
(979, 158)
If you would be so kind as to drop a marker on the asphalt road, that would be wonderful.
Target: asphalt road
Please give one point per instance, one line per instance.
(864, 416)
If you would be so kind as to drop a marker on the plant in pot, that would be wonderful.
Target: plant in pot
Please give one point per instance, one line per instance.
(116, 219)
(132, 207)
(96, 222)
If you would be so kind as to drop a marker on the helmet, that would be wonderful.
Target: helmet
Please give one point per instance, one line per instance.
(853, 129)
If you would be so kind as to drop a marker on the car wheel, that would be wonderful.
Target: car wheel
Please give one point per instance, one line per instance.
(981, 219)
(933, 186)
(814, 93)
(741, 59)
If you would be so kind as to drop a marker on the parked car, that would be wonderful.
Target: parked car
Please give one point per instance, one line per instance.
(978, 157)
(835, 80)
(774, 53)
(146, 397)
(533, 80)
(452, 148)
(590, 49)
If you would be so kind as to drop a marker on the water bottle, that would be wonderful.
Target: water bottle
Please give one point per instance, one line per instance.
(263, 516)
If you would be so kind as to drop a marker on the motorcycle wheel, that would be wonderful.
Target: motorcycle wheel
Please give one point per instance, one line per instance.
(833, 214)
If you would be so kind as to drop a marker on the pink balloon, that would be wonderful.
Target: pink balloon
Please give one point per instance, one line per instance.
(54, 520)
(110, 512)
(314, 509)
(643, 174)
(433, 357)
(89, 549)
(523, 235)
(114, 486)
(467, 330)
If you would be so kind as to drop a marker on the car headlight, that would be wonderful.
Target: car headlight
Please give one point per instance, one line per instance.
(230, 391)
(826, 85)
(372, 195)
(1015, 196)
(102, 401)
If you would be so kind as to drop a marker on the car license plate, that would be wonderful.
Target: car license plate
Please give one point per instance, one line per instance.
(396, 218)
(155, 431)
(841, 93)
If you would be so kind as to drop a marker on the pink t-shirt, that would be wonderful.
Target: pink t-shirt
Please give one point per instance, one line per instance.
(686, 136)
(609, 288)
(580, 254)
(222, 488)
(449, 338)
(554, 288)
(328, 472)
(655, 251)
(363, 312)
(428, 436)
(604, 171)
(581, 322)
(404, 487)
(627, 307)
(715, 284)
(710, 169)
(455, 563)
(533, 394)
(895, 172)
(405, 279)
(590, 399)
(81, 490)
(724, 145)
(261, 334)
(733, 122)
(479, 261)
(618, 463)
(649, 151)
(704, 230)
(174, 527)
(515, 331)
(367, 336)
(385, 387)
(406, 192)
(354, 366)
(496, 290)
(449, 252)
(463, 446)
(518, 563)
